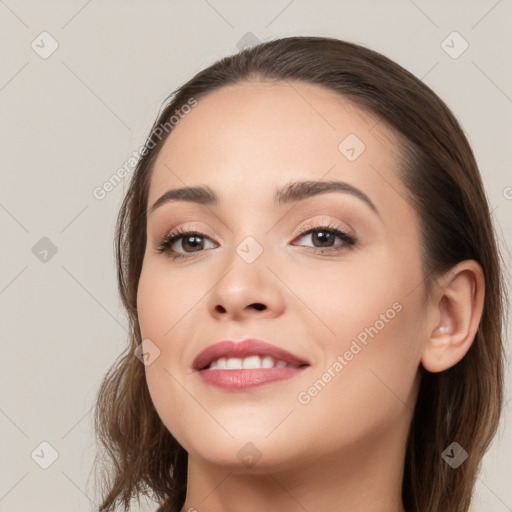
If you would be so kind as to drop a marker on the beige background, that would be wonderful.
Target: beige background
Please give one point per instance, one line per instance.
(70, 120)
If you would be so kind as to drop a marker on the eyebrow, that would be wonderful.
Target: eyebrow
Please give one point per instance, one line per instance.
(289, 193)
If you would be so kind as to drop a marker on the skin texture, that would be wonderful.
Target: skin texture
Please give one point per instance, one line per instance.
(344, 449)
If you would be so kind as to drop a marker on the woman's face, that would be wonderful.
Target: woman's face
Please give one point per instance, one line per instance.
(354, 312)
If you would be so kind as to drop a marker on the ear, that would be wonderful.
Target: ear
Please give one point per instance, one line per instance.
(454, 316)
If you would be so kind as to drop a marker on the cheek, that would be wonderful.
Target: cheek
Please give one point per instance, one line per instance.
(371, 349)
(364, 388)
(164, 305)
(163, 300)
(374, 294)
(167, 396)
(348, 296)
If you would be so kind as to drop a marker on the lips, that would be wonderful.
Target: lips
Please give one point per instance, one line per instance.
(250, 347)
(258, 369)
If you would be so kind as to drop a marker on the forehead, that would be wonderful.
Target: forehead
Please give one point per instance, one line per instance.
(253, 137)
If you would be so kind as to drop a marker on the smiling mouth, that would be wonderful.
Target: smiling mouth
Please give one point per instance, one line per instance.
(241, 366)
(246, 373)
(249, 363)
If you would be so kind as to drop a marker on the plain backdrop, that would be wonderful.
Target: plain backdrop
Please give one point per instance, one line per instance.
(80, 85)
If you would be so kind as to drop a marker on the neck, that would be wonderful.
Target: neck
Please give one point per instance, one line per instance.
(363, 477)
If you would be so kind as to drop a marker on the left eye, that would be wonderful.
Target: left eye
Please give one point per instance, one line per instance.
(325, 237)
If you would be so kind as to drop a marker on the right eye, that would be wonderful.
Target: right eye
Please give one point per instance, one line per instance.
(192, 239)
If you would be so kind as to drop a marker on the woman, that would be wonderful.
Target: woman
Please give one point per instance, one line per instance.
(314, 288)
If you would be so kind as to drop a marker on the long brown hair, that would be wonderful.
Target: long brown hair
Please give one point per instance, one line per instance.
(461, 404)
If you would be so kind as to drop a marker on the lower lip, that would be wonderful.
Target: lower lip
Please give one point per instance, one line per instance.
(241, 380)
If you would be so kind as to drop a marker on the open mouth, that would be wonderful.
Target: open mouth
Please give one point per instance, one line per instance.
(249, 363)
(240, 366)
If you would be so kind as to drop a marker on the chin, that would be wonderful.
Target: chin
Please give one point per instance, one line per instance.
(249, 448)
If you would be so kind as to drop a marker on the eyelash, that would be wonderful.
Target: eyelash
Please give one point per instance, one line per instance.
(348, 239)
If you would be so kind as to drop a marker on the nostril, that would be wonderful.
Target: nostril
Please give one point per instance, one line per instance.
(256, 305)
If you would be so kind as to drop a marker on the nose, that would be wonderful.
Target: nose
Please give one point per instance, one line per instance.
(247, 290)
(258, 306)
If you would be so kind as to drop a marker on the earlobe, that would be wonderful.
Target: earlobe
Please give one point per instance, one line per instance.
(456, 314)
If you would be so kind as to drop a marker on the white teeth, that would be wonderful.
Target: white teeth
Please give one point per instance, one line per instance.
(267, 362)
(220, 364)
(250, 362)
(234, 363)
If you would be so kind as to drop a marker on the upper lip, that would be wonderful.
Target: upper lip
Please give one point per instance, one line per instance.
(245, 348)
